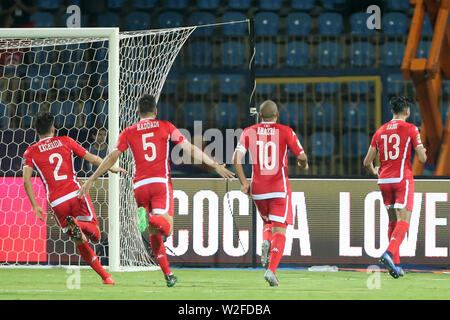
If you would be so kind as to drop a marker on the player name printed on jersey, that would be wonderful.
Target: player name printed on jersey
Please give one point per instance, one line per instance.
(267, 131)
(50, 145)
(147, 125)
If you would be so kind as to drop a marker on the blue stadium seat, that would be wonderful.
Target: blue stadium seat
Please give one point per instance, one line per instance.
(359, 87)
(166, 111)
(231, 84)
(233, 54)
(304, 5)
(330, 54)
(423, 49)
(49, 4)
(201, 18)
(40, 83)
(266, 24)
(177, 4)
(266, 54)
(294, 88)
(427, 30)
(191, 112)
(355, 144)
(265, 88)
(398, 5)
(361, 54)
(332, 4)
(43, 20)
(208, 4)
(322, 115)
(4, 116)
(322, 144)
(416, 116)
(293, 115)
(355, 115)
(270, 4)
(145, 4)
(169, 19)
(234, 29)
(395, 23)
(392, 53)
(201, 53)
(171, 84)
(330, 23)
(137, 21)
(445, 109)
(198, 83)
(226, 115)
(239, 4)
(298, 24)
(68, 110)
(115, 4)
(395, 84)
(327, 87)
(88, 110)
(358, 24)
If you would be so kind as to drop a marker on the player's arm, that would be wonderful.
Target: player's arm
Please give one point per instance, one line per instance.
(420, 150)
(104, 166)
(96, 161)
(421, 154)
(199, 155)
(368, 160)
(238, 156)
(38, 211)
(302, 161)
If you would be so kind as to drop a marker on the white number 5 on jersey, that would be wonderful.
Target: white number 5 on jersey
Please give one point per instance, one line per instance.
(146, 144)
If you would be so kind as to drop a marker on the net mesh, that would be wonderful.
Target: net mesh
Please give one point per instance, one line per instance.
(69, 77)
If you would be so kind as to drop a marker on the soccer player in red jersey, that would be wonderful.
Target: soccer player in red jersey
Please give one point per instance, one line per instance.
(149, 141)
(394, 141)
(52, 157)
(269, 143)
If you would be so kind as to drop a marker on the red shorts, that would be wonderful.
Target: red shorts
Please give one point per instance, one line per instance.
(398, 195)
(81, 209)
(155, 197)
(276, 209)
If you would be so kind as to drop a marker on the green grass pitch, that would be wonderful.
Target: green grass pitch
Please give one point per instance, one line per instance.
(233, 284)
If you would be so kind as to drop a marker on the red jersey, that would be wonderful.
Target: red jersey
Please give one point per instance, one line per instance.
(53, 159)
(394, 141)
(269, 144)
(148, 141)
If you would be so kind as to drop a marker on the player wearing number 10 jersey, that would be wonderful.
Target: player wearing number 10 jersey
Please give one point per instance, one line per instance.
(148, 141)
(269, 143)
(52, 157)
(394, 142)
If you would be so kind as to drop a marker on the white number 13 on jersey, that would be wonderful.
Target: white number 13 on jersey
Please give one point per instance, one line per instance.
(391, 155)
(146, 145)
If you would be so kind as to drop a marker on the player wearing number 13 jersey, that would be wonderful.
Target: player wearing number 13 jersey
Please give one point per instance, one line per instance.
(269, 144)
(148, 140)
(394, 142)
(52, 157)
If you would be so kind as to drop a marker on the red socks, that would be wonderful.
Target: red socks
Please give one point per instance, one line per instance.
(397, 237)
(90, 230)
(160, 223)
(267, 232)
(276, 251)
(391, 228)
(159, 251)
(89, 256)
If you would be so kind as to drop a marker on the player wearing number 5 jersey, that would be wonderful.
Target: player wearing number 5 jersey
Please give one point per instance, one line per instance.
(394, 142)
(52, 157)
(148, 141)
(269, 144)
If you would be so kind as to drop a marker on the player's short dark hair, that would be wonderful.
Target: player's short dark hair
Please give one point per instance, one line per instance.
(147, 104)
(43, 122)
(400, 104)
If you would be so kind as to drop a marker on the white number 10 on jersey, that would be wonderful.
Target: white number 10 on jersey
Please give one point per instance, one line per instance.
(263, 154)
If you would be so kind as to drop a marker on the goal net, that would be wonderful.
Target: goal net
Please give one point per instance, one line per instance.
(90, 79)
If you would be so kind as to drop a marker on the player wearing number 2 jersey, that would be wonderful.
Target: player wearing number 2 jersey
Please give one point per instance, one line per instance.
(148, 141)
(394, 142)
(52, 157)
(269, 144)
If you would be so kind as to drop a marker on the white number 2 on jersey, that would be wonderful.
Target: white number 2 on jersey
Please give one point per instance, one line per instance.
(146, 145)
(58, 157)
(263, 154)
(390, 155)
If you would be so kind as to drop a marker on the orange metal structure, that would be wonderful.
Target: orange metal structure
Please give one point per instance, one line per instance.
(427, 75)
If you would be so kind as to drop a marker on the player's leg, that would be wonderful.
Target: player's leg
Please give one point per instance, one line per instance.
(87, 219)
(392, 223)
(79, 237)
(262, 206)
